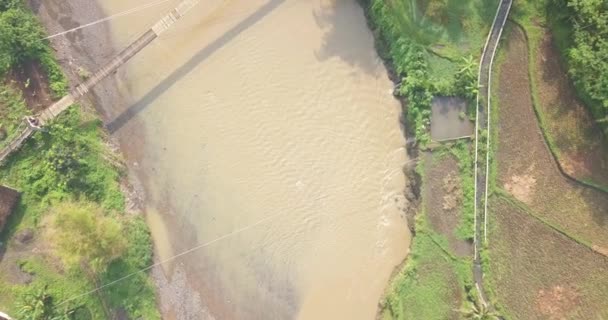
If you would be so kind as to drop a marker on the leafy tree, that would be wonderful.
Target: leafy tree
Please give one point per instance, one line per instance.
(466, 79)
(37, 304)
(10, 4)
(479, 311)
(21, 38)
(587, 54)
(85, 237)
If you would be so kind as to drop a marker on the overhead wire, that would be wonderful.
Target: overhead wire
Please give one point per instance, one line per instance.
(200, 246)
(188, 251)
(111, 17)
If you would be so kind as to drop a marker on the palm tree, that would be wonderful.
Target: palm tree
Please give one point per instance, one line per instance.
(479, 311)
(35, 306)
(468, 65)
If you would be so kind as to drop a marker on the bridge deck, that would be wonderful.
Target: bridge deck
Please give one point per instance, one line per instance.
(82, 89)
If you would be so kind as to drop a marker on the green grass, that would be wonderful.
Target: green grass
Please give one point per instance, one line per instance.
(530, 260)
(463, 153)
(452, 29)
(90, 176)
(434, 282)
(12, 111)
(431, 285)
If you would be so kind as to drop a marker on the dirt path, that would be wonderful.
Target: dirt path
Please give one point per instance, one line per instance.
(482, 123)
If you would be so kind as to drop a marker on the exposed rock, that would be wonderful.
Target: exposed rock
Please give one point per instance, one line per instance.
(8, 201)
(25, 236)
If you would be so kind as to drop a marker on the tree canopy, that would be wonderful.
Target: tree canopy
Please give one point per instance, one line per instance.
(588, 53)
(21, 37)
(85, 236)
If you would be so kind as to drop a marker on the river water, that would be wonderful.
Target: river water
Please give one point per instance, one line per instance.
(266, 131)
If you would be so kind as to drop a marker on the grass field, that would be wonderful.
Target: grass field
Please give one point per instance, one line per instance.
(428, 43)
(547, 234)
(574, 137)
(538, 273)
(525, 166)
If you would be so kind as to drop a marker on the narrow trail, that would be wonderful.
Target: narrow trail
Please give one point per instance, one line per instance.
(482, 124)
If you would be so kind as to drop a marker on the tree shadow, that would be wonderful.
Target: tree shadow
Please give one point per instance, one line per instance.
(457, 12)
(187, 67)
(345, 32)
(415, 24)
(487, 10)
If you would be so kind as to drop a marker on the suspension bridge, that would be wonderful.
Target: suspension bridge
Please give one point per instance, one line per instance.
(33, 123)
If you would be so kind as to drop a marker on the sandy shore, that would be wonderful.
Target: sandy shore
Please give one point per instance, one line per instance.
(91, 47)
(87, 49)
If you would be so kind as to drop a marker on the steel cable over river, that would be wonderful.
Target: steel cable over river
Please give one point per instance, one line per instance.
(258, 106)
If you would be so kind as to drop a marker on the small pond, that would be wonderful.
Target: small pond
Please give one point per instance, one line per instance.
(449, 120)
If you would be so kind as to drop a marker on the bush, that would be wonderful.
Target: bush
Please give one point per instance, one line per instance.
(86, 237)
(21, 38)
(588, 50)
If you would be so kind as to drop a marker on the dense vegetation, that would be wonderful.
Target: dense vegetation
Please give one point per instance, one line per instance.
(586, 49)
(71, 203)
(72, 200)
(21, 41)
(433, 47)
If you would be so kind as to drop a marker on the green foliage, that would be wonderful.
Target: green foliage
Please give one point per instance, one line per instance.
(409, 60)
(479, 311)
(66, 161)
(21, 38)
(12, 111)
(10, 4)
(416, 32)
(85, 237)
(463, 153)
(415, 86)
(136, 294)
(465, 84)
(587, 52)
(38, 304)
(410, 63)
(57, 80)
(74, 146)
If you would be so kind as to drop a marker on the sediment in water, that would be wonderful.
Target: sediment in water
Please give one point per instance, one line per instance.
(80, 50)
(413, 187)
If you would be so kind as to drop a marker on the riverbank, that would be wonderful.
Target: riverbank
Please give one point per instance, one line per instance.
(69, 172)
(87, 49)
(308, 152)
(435, 58)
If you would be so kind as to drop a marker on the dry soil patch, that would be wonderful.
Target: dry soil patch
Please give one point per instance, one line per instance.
(539, 273)
(524, 160)
(443, 200)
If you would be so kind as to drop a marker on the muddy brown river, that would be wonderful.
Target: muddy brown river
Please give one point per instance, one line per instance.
(266, 131)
